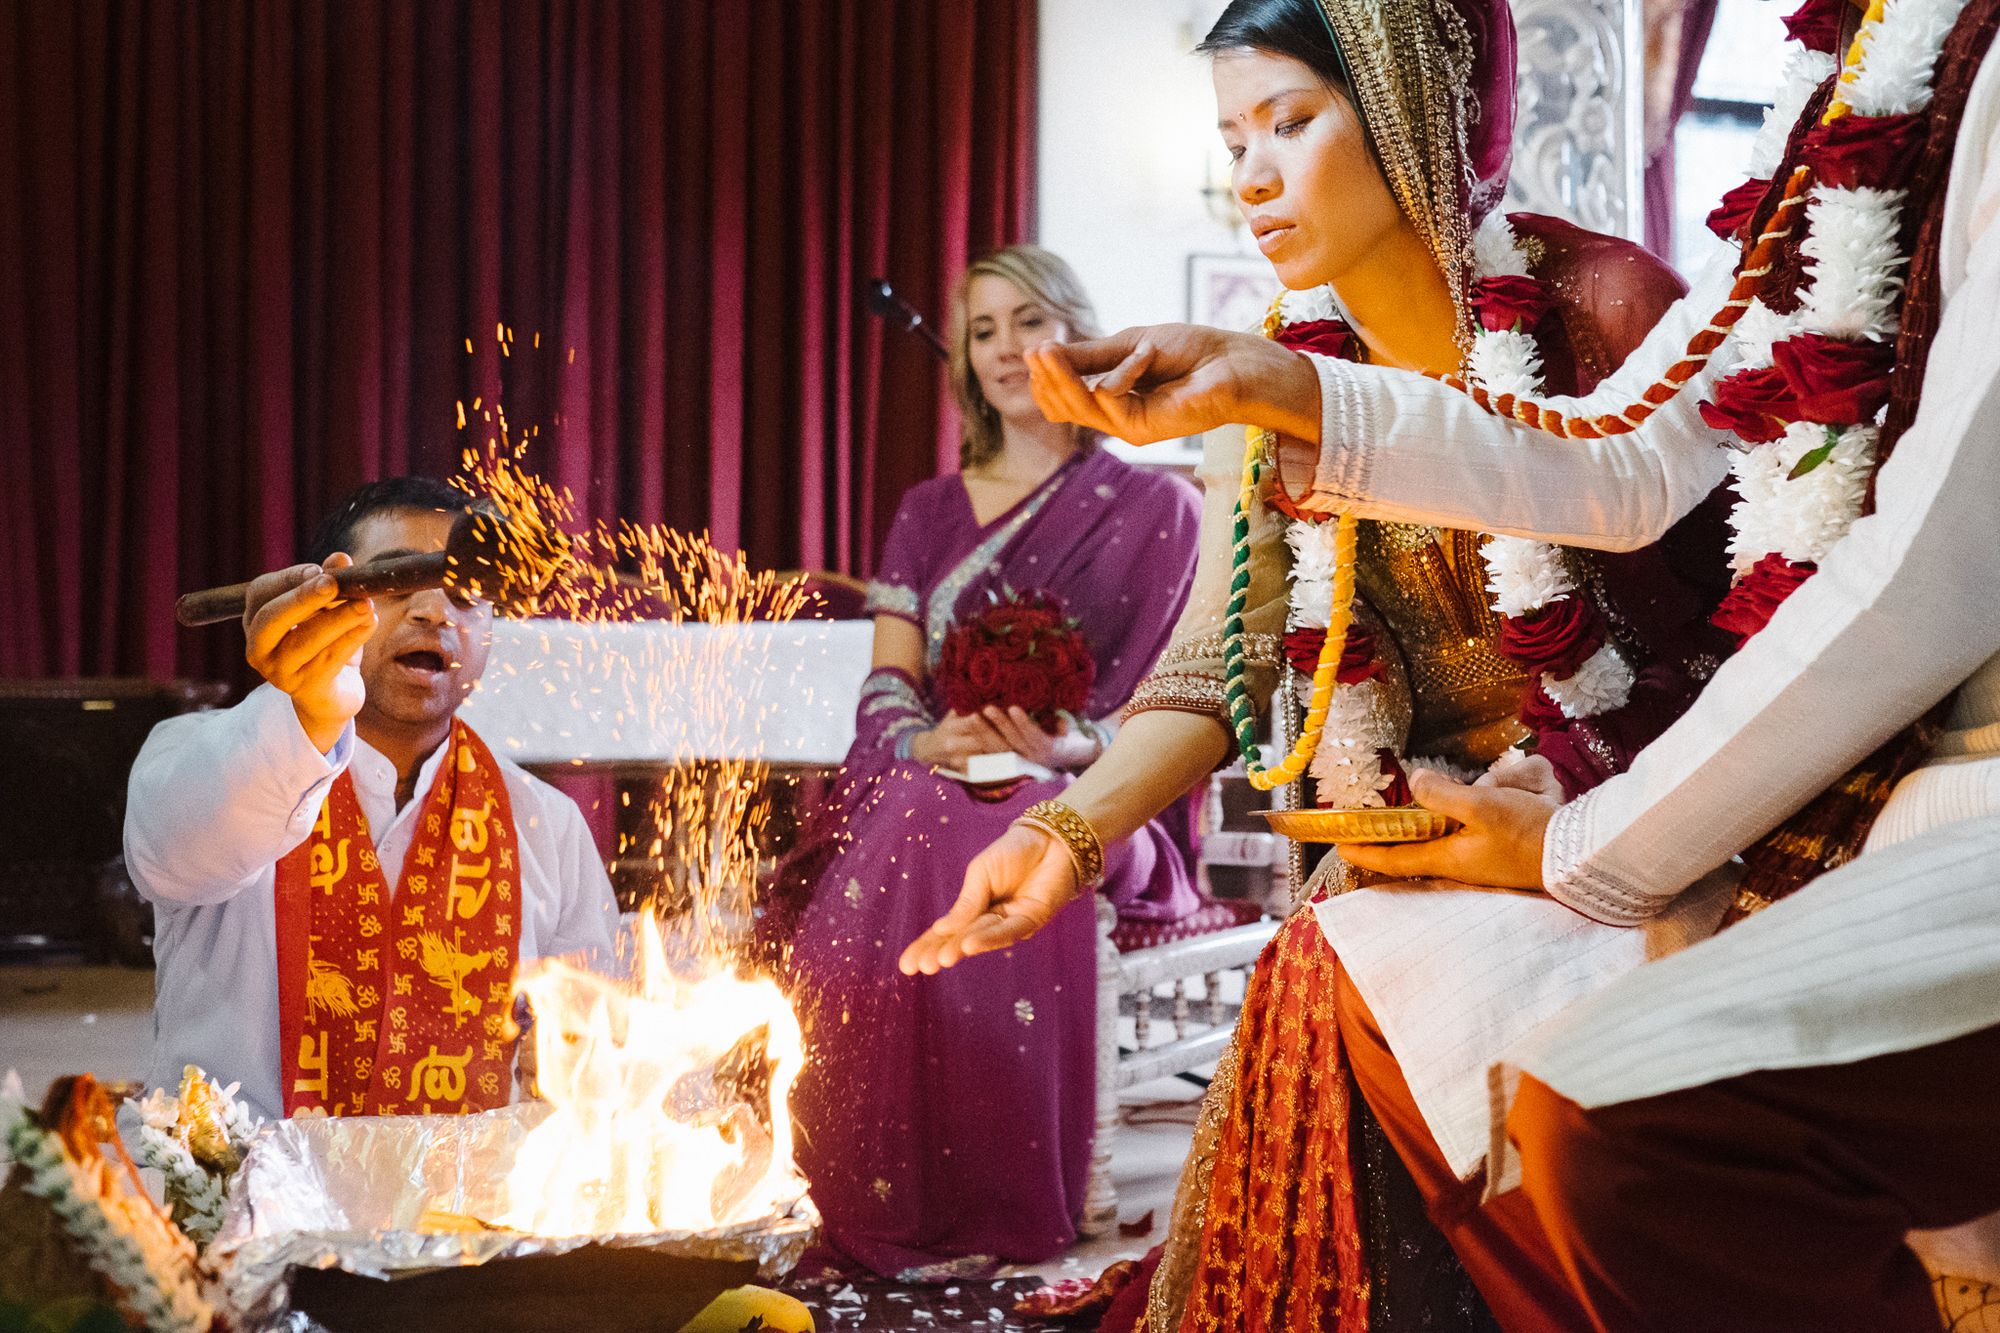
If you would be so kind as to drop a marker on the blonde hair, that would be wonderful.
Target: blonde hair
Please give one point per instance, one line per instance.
(1046, 280)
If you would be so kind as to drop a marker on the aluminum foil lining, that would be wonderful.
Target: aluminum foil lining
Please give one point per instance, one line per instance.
(349, 1193)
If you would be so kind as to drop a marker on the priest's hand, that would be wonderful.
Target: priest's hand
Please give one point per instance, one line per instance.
(304, 639)
(1498, 843)
(1171, 380)
(1011, 890)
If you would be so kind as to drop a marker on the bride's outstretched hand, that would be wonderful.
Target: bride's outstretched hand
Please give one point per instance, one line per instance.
(1011, 890)
(1498, 843)
(1166, 381)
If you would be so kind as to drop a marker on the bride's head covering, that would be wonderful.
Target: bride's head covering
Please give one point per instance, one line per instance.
(1433, 81)
(1433, 84)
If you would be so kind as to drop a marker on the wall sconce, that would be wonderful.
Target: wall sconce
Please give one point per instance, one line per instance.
(1217, 192)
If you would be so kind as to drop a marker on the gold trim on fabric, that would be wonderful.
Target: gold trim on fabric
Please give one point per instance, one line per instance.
(1166, 1299)
(944, 597)
(1189, 678)
(891, 599)
(1411, 65)
(1180, 692)
(1258, 649)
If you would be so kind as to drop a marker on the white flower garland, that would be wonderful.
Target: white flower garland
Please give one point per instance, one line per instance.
(1346, 768)
(1854, 284)
(1805, 71)
(1524, 576)
(195, 1192)
(115, 1228)
(1899, 51)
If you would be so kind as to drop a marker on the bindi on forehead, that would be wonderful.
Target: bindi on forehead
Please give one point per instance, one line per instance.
(1267, 105)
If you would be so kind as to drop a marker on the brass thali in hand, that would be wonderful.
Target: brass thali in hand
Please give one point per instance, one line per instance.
(1397, 824)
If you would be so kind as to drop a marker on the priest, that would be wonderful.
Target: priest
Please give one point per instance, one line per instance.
(344, 874)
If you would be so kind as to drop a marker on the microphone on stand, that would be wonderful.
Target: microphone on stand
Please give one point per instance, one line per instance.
(885, 304)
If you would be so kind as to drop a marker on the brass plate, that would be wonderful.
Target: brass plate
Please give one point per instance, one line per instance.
(1401, 824)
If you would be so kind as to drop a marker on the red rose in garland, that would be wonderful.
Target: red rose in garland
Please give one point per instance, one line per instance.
(1538, 712)
(1755, 404)
(1557, 639)
(1323, 337)
(1758, 595)
(1510, 301)
(1357, 656)
(1733, 214)
(1832, 381)
(1876, 151)
(1020, 651)
(1816, 25)
(1398, 791)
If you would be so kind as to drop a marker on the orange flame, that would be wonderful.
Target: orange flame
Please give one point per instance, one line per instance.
(669, 1095)
(669, 1091)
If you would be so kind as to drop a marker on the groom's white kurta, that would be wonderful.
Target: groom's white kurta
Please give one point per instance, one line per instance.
(1899, 950)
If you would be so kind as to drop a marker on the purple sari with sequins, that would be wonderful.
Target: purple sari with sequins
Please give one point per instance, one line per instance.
(945, 1122)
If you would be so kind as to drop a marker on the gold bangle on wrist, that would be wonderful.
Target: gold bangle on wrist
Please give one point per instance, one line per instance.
(1086, 850)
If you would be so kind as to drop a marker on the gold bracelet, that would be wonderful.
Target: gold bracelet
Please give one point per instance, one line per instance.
(1086, 850)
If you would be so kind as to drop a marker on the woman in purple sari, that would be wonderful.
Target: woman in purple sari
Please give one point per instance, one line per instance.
(945, 1124)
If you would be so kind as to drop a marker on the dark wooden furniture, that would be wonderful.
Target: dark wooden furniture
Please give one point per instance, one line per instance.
(66, 749)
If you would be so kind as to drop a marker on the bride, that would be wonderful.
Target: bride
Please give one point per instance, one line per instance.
(1370, 141)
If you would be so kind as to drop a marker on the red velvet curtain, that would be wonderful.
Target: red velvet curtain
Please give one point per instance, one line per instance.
(243, 245)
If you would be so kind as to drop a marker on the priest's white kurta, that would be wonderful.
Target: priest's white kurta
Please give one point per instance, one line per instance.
(217, 798)
(1888, 954)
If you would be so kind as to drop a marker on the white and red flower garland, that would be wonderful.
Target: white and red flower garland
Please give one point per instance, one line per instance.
(113, 1224)
(1808, 398)
(1552, 628)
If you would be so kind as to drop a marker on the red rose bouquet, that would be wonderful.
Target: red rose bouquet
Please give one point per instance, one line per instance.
(1021, 651)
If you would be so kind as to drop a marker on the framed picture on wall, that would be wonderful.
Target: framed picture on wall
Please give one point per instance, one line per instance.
(1230, 291)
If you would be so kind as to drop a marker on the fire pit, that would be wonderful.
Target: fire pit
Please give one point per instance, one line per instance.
(656, 1174)
(325, 1210)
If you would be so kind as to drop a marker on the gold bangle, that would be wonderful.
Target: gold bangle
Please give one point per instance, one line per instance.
(1086, 850)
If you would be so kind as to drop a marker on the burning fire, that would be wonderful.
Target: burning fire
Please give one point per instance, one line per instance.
(669, 1092)
(669, 1096)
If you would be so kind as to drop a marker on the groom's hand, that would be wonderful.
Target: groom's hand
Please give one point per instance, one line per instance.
(1498, 843)
(1167, 381)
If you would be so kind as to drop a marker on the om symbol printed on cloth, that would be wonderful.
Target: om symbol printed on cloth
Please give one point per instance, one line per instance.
(390, 1006)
